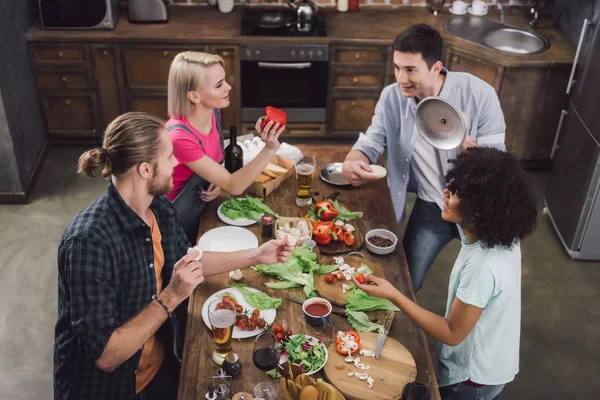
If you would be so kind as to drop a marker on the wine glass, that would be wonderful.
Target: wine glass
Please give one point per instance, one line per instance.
(418, 386)
(265, 356)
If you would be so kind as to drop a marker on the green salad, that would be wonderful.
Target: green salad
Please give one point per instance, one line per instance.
(305, 351)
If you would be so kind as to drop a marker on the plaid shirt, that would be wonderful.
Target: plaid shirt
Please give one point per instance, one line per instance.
(105, 277)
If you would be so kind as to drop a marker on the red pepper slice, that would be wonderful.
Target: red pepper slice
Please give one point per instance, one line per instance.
(338, 347)
(274, 114)
(325, 210)
(339, 234)
(321, 234)
(349, 239)
(355, 335)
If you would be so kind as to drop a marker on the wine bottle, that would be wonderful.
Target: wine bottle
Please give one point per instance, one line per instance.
(234, 155)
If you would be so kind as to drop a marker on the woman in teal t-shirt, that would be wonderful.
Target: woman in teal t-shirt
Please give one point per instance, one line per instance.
(491, 197)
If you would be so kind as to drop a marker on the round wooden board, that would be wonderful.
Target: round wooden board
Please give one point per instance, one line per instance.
(390, 372)
(333, 291)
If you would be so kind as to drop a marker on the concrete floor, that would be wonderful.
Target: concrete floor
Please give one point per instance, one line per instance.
(560, 356)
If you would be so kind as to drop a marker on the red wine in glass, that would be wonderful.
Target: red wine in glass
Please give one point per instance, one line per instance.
(266, 358)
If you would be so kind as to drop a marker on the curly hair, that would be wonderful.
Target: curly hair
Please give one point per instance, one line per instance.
(496, 196)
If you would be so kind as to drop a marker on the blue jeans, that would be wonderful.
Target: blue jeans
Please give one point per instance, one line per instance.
(460, 391)
(425, 236)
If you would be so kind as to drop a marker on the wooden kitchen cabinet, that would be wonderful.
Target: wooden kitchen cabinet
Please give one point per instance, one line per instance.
(71, 115)
(352, 113)
(155, 104)
(109, 79)
(458, 61)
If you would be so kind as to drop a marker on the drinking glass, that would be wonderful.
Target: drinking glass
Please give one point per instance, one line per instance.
(305, 170)
(265, 356)
(418, 386)
(221, 314)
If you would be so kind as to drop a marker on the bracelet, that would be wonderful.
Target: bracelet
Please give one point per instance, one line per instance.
(162, 303)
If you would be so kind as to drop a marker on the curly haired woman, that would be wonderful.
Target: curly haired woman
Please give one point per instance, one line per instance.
(491, 197)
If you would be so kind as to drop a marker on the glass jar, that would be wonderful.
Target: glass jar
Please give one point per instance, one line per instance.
(232, 364)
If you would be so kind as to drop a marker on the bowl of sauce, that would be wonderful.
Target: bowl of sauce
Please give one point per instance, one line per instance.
(316, 311)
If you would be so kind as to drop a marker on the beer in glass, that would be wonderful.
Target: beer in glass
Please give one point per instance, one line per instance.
(221, 314)
(305, 169)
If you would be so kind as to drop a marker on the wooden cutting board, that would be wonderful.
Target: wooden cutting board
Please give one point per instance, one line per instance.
(390, 372)
(333, 291)
(338, 248)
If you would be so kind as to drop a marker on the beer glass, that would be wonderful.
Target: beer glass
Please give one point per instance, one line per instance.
(221, 314)
(305, 169)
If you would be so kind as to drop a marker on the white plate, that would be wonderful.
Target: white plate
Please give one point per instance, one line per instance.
(228, 238)
(268, 315)
(324, 349)
(470, 10)
(234, 222)
(451, 9)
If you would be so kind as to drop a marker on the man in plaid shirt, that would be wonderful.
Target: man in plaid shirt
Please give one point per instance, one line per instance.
(124, 271)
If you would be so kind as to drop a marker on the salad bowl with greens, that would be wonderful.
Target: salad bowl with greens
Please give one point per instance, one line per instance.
(304, 350)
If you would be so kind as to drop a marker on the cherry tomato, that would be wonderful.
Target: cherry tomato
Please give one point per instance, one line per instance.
(239, 309)
(256, 313)
(261, 323)
(360, 278)
(251, 325)
(339, 276)
(241, 324)
(289, 332)
(280, 336)
(329, 278)
(227, 298)
(254, 319)
(277, 329)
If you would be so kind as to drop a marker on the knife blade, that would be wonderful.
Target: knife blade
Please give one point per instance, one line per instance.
(389, 318)
(338, 311)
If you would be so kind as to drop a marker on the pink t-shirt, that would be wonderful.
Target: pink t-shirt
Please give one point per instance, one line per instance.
(187, 149)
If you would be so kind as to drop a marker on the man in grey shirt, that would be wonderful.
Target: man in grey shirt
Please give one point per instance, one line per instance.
(412, 163)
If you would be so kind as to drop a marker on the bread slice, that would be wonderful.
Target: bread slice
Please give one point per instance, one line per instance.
(262, 178)
(378, 171)
(275, 169)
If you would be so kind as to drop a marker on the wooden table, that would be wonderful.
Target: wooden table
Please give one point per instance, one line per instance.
(374, 200)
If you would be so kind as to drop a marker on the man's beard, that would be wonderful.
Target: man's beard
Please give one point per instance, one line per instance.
(159, 187)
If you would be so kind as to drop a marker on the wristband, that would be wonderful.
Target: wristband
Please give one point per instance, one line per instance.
(162, 303)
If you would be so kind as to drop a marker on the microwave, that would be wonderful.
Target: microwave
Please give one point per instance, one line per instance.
(78, 14)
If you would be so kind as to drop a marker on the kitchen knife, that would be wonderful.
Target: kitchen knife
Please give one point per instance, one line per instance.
(389, 318)
(338, 311)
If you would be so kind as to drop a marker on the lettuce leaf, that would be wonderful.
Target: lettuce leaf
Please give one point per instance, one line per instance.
(360, 322)
(249, 207)
(258, 300)
(360, 301)
(325, 269)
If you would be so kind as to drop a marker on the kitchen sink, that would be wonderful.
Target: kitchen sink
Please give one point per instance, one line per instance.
(496, 35)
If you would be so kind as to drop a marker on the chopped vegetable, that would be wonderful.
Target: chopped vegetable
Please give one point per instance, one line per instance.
(249, 207)
(259, 300)
(344, 213)
(326, 211)
(307, 352)
(360, 278)
(325, 269)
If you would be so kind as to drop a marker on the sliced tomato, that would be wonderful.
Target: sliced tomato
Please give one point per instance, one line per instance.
(348, 238)
(329, 278)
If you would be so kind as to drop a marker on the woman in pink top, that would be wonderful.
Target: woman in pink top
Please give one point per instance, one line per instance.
(197, 90)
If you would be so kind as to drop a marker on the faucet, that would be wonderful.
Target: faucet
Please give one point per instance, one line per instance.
(501, 9)
(534, 14)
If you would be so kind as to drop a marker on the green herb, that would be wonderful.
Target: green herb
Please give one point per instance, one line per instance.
(273, 374)
(360, 301)
(249, 207)
(312, 214)
(258, 300)
(361, 323)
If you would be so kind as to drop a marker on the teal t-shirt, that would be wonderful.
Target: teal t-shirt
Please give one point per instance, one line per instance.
(488, 279)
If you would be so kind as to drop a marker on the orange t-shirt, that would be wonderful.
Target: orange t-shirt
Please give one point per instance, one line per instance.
(154, 351)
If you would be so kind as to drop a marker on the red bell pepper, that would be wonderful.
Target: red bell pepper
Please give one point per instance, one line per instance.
(325, 210)
(274, 114)
(339, 234)
(321, 233)
(348, 238)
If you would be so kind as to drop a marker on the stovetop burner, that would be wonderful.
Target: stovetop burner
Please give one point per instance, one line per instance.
(277, 22)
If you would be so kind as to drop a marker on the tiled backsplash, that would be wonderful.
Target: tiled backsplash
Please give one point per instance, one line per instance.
(379, 3)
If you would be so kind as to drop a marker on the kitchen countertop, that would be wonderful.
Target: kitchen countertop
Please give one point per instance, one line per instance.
(372, 26)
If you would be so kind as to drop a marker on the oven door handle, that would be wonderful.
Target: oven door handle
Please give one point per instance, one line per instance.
(271, 65)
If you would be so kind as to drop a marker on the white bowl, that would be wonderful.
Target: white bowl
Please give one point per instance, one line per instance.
(383, 233)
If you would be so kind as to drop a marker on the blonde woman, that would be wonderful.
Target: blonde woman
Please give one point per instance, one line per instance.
(197, 90)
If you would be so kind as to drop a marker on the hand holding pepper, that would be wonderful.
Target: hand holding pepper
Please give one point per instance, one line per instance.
(270, 126)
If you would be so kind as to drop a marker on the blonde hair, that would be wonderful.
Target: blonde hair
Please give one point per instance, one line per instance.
(129, 140)
(187, 73)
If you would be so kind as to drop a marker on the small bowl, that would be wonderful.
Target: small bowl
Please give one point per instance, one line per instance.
(383, 233)
(315, 320)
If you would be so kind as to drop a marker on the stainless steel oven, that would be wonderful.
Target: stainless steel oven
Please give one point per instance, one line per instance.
(290, 77)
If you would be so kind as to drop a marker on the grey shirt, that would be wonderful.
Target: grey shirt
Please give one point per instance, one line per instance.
(393, 129)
